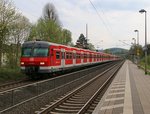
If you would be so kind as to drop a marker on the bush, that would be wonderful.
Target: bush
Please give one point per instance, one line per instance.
(142, 62)
(8, 74)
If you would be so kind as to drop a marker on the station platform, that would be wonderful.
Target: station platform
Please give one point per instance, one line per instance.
(129, 93)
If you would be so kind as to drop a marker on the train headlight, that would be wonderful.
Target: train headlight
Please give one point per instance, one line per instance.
(22, 63)
(42, 63)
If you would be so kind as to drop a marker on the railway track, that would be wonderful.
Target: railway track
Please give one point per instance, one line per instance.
(14, 84)
(23, 82)
(19, 99)
(83, 99)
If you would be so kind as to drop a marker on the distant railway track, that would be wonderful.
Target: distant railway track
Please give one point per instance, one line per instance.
(26, 81)
(85, 98)
(14, 84)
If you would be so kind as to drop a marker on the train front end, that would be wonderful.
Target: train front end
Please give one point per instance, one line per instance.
(35, 57)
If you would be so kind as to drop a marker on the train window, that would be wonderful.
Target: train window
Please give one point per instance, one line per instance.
(70, 55)
(77, 56)
(67, 55)
(41, 52)
(36, 52)
(26, 52)
(57, 55)
(90, 55)
(85, 55)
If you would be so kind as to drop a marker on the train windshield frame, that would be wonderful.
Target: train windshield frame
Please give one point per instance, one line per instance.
(35, 52)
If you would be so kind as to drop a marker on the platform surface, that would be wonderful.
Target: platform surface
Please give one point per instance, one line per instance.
(129, 92)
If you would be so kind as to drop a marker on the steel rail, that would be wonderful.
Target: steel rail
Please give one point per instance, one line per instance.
(85, 107)
(17, 103)
(42, 81)
(57, 103)
(10, 85)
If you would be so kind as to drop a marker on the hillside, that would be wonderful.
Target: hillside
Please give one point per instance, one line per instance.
(117, 51)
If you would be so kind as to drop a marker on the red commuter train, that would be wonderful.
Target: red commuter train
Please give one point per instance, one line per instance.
(46, 57)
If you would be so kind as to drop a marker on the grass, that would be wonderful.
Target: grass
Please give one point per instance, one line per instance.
(142, 63)
(8, 74)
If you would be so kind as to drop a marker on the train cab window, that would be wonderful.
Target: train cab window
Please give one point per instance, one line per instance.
(26, 52)
(41, 52)
(35, 52)
(57, 55)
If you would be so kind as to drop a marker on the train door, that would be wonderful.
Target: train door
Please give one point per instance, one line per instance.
(74, 57)
(92, 57)
(52, 56)
(88, 57)
(82, 56)
(62, 58)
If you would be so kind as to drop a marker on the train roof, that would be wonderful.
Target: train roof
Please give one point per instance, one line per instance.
(37, 44)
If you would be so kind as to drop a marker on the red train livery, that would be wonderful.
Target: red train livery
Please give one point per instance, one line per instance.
(46, 57)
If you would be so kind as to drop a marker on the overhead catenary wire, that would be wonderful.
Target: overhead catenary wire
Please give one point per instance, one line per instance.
(105, 16)
(100, 17)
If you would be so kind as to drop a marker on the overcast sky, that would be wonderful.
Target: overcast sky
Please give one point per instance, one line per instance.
(114, 20)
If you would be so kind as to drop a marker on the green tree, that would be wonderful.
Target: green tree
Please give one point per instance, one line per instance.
(50, 13)
(136, 50)
(91, 47)
(82, 42)
(8, 16)
(48, 28)
(19, 33)
(66, 37)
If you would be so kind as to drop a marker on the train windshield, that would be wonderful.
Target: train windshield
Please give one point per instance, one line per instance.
(40, 52)
(35, 52)
(26, 52)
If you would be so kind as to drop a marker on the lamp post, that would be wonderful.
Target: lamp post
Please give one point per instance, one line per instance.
(137, 36)
(138, 54)
(134, 41)
(144, 11)
(134, 44)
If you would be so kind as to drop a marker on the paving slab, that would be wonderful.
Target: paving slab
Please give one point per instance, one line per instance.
(129, 92)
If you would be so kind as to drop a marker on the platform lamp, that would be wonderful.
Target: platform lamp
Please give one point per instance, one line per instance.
(134, 44)
(138, 54)
(134, 41)
(145, 48)
(137, 31)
